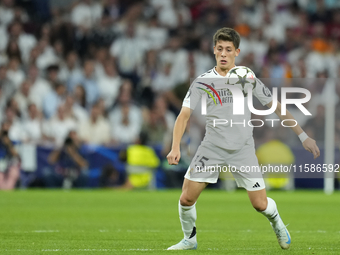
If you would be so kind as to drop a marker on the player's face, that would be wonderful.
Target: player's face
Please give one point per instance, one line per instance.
(225, 54)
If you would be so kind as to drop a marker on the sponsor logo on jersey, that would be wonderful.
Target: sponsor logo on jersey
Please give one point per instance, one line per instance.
(213, 90)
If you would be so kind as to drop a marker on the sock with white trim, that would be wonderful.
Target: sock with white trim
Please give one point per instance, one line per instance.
(272, 214)
(188, 216)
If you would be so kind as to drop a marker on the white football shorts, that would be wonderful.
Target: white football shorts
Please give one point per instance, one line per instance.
(210, 160)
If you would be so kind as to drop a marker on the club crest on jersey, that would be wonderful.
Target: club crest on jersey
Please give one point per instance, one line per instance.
(266, 91)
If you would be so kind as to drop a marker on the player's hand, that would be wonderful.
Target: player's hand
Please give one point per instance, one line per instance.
(173, 157)
(310, 145)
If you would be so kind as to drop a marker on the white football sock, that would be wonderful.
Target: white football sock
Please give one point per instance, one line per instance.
(272, 214)
(187, 216)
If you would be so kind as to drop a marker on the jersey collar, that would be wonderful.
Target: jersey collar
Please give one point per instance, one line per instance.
(217, 74)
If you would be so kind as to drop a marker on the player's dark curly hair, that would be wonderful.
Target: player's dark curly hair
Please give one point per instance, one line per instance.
(227, 34)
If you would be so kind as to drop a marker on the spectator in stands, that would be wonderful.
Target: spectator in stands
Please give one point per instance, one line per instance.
(129, 51)
(178, 58)
(47, 56)
(173, 14)
(176, 96)
(148, 73)
(9, 160)
(160, 122)
(88, 81)
(2, 104)
(74, 110)
(52, 72)
(104, 34)
(13, 50)
(273, 29)
(277, 69)
(101, 106)
(86, 14)
(156, 35)
(25, 41)
(109, 84)
(208, 23)
(53, 99)
(14, 72)
(70, 67)
(7, 12)
(100, 56)
(299, 69)
(59, 50)
(150, 68)
(13, 104)
(163, 80)
(125, 118)
(96, 130)
(202, 58)
(57, 128)
(45, 32)
(15, 131)
(112, 10)
(6, 84)
(32, 125)
(33, 56)
(79, 95)
(40, 87)
(23, 96)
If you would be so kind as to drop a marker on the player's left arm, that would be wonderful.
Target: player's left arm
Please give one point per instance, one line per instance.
(308, 143)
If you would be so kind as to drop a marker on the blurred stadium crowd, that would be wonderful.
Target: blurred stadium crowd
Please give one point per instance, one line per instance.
(109, 69)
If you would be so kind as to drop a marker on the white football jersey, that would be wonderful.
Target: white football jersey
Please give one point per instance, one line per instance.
(230, 131)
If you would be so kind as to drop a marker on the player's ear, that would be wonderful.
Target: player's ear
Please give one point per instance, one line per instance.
(237, 52)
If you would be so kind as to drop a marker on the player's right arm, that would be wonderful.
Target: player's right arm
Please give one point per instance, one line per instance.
(190, 101)
(179, 128)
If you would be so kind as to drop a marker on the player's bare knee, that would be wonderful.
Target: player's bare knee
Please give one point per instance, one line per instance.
(260, 205)
(186, 200)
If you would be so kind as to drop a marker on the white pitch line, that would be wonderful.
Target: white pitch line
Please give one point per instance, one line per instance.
(45, 231)
(140, 230)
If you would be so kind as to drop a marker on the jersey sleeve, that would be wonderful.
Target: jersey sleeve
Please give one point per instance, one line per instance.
(262, 93)
(193, 96)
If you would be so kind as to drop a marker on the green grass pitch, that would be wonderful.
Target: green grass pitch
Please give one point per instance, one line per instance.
(146, 222)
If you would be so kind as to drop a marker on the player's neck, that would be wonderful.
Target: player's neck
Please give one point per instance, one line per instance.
(224, 71)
